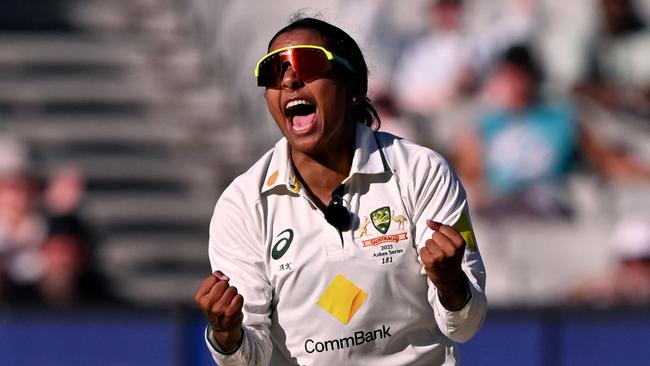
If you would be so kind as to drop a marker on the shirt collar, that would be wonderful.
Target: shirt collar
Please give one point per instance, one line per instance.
(367, 159)
(280, 171)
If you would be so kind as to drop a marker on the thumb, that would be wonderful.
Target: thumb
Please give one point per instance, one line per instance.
(433, 225)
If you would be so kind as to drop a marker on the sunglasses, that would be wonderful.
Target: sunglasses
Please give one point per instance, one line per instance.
(307, 61)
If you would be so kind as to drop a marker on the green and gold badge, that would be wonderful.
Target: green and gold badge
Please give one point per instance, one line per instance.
(381, 219)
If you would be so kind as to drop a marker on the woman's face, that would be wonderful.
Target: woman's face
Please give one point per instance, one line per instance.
(511, 88)
(312, 115)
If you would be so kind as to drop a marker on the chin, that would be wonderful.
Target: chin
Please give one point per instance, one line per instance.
(305, 146)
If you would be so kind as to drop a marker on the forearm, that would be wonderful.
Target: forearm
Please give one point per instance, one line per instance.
(460, 324)
(230, 341)
(254, 348)
(456, 297)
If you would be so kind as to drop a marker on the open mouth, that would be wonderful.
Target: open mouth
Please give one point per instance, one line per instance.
(301, 114)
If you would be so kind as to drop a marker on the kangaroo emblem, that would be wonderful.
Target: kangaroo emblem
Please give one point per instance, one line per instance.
(363, 228)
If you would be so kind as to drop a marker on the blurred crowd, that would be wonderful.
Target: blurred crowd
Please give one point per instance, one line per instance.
(519, 139)
(45, 245)
(543, 108)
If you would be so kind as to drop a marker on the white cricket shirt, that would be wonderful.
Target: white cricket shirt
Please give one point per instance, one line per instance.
(316, 296)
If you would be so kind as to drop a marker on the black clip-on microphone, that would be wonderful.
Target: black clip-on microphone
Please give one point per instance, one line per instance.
(335, 213)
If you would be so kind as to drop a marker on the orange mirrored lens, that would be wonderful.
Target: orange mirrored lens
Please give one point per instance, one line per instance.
(307, 63)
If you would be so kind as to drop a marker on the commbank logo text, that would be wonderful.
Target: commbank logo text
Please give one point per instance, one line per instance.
(356, 339)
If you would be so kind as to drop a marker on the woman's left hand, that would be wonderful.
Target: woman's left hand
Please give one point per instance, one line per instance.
(442, 256)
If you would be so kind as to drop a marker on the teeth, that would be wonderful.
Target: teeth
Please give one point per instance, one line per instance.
(296, 102)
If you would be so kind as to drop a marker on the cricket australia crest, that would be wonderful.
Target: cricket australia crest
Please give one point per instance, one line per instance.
(381, 219)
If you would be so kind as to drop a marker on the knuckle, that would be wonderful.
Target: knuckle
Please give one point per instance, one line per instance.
(426, 262)
(225, 292)
(237, 302)
(221, 287)
(438, 256)
(208, 281)
(205, 303)
(229, 294)
(425, 256)
(448, 231)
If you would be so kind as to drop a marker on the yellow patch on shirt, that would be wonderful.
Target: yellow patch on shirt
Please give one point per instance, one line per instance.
(464, 227)
(342, 298)
(272, 178)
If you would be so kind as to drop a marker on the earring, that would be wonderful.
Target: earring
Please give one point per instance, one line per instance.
(354, 99)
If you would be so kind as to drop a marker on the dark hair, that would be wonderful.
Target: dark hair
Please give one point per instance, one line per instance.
(340, 43)
(522, 56)
(630, 19)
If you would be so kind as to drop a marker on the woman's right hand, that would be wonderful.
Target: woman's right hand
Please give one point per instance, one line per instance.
(222, 305)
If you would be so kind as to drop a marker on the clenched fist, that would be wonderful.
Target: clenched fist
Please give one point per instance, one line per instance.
(222, 305)
(442, 256)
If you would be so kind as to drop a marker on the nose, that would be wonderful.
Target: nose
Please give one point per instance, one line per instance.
(290, 79)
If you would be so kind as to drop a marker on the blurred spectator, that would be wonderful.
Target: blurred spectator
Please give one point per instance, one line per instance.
(65, 192)
(436, 68)
(515, 158)
(22, 228)
(68, 275)
(616, 95)
(439, 73)
(629, 282)
(618, 72)
(390, 118)
(384, 29)
(69, 272)
(616, 92)
(497, 25)
(44, 258)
